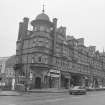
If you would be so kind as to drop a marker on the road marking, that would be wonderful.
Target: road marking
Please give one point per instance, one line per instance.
(77, 97)
(58, 99)
(97, 94)
(48, 100)
(12, 104)
(54, 100)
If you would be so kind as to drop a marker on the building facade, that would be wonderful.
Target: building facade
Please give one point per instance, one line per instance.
(2, 70)
(47, 58)
(9, 71)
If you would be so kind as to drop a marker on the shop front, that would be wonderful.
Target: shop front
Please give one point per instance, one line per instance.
(53, 78)
(85, 81)
(76, 79)
(45, 78)
(65, 80)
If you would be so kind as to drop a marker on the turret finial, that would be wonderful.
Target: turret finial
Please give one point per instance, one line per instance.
(103, 50)
(43, 9)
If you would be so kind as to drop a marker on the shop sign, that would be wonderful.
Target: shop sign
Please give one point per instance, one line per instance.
(54, 75)
(54, 71)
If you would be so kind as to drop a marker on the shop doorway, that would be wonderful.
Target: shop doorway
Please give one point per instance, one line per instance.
(66, 83)
(76, 80)
(37, 82)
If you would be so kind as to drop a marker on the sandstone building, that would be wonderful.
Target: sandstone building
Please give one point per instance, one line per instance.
(47, 58)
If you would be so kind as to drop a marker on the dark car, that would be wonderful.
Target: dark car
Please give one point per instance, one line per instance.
(77, 90)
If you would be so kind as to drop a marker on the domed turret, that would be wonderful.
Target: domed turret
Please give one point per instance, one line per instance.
(42, 20)
(43, 16)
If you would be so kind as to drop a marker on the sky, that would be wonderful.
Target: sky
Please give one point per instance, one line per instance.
(82, 18)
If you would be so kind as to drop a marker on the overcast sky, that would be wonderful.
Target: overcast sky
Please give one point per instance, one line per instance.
(83, 18)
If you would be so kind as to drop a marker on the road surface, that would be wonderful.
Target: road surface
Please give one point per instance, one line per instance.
(91, 98)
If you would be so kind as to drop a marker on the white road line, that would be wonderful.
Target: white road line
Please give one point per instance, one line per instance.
(51, 100)
(12, 104)
(77, 97)
(54, 100)
(48, 100)
(97, 94)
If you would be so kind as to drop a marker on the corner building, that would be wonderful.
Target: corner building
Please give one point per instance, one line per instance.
(47, 58)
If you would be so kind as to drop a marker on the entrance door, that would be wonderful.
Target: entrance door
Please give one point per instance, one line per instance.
(66, 83)
(37, 82)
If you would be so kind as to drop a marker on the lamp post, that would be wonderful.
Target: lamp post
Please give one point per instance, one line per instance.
(26, 75)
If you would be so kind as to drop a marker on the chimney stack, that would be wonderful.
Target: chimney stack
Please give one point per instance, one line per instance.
(20, 30)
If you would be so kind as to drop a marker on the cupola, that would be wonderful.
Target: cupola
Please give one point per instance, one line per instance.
(43, 16)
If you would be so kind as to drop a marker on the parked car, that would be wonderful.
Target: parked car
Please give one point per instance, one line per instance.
(90, 89)
(77, 90)
(100, 88)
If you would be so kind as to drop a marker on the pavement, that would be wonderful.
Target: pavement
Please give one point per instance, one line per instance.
(15, 93)
(49, 90)
(9, 93)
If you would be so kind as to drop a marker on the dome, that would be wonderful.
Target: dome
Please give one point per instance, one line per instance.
(43, 16)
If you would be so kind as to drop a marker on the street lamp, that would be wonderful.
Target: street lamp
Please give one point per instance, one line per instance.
(26, 75)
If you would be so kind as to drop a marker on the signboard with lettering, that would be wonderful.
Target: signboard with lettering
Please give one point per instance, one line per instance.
(54, 73)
